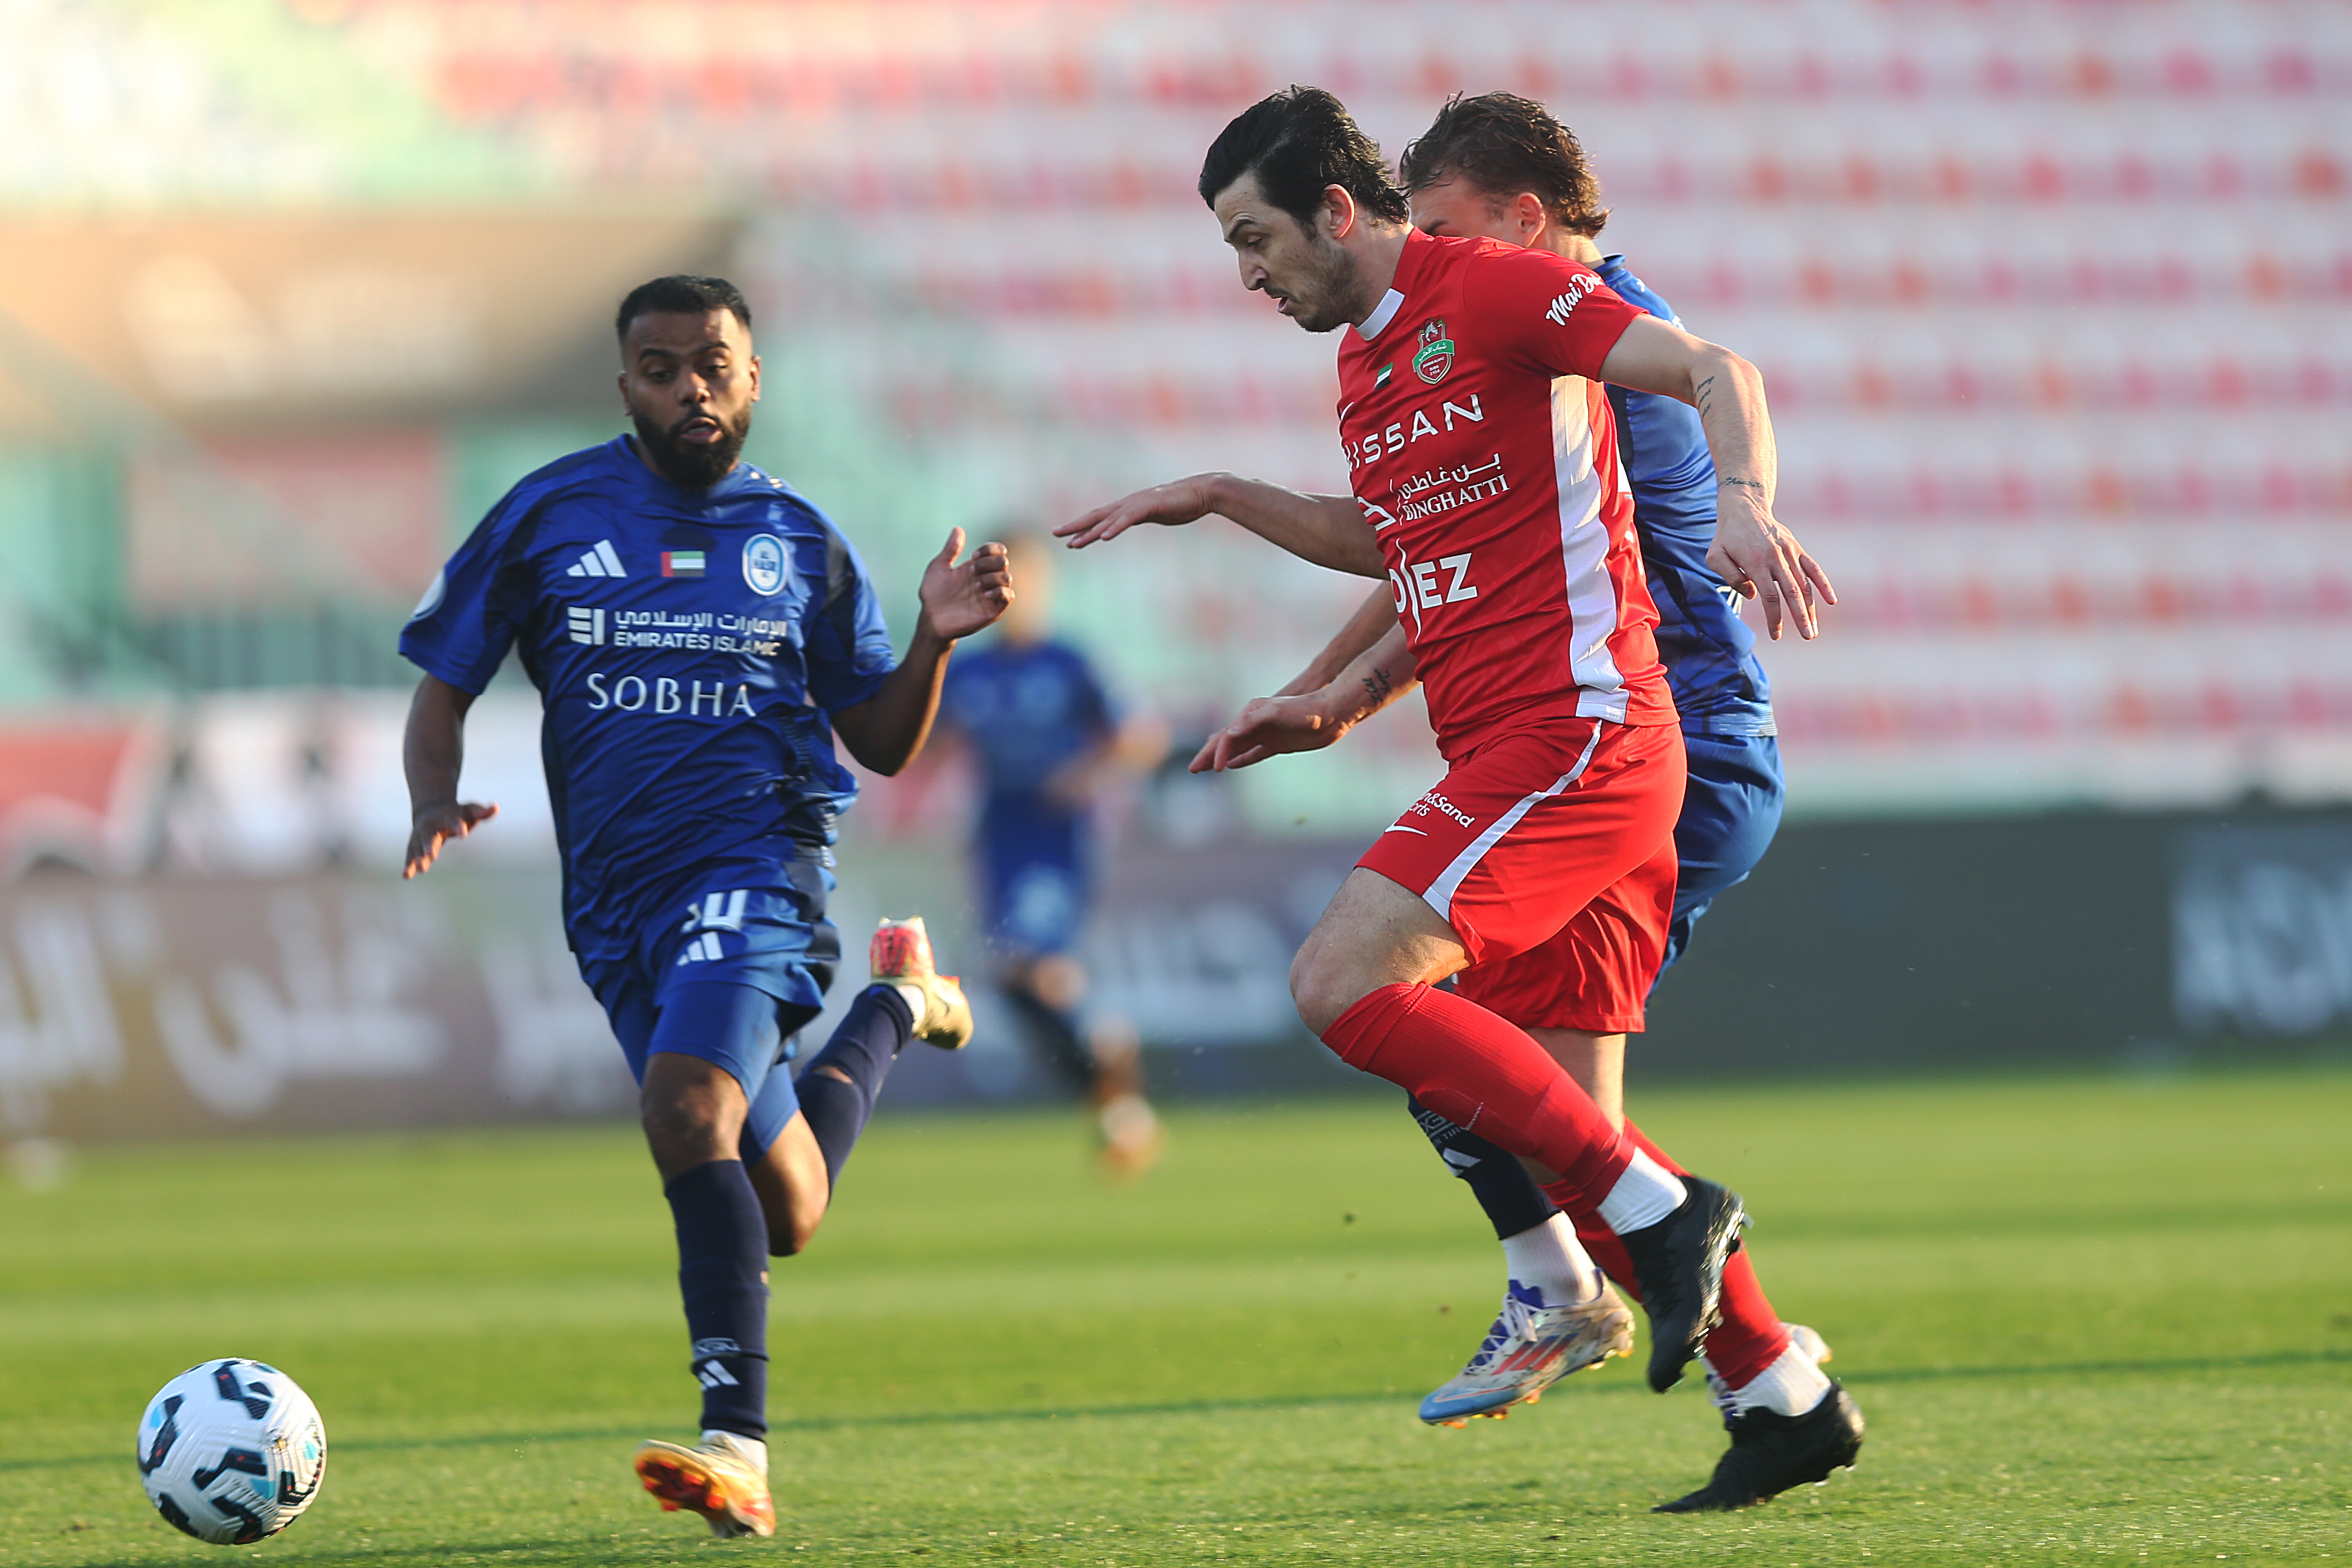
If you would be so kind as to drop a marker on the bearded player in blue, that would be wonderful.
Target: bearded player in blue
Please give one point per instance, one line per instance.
(699, 634)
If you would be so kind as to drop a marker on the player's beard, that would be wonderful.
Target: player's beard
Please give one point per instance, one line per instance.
(1326, 288)
(698, 465)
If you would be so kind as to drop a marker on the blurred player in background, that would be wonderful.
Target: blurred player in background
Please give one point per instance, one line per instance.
(1500, 167)
(699, 634)
(1541, 870)
(1042, 730)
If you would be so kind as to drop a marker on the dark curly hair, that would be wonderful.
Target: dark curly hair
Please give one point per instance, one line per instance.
(1299, 143)
(1503, 145)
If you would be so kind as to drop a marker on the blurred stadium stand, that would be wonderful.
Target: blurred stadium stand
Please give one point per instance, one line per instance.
(2055, 301)
(2053, 297)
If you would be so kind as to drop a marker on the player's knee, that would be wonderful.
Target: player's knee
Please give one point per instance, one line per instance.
(1322, 986)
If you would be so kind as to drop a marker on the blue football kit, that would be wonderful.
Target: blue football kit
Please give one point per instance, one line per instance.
(690, 648)
(1732, 805)
(1027, 710)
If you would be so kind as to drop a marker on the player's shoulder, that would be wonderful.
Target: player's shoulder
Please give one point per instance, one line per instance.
(1492, 260)
(1631, 288)
(592, 469)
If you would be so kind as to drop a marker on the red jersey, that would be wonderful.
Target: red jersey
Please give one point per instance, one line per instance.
(1481, 448)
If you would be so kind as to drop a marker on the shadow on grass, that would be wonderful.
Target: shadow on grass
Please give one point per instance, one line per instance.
(2013, 1371)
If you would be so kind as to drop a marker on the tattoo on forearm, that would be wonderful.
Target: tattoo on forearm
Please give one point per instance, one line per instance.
(1699, 395)
(1756, 485)
(1377, 686)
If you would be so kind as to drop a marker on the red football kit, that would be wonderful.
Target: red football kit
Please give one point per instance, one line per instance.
(1483, 452)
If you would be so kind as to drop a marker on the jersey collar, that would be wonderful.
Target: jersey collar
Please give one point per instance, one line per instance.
(1416, 244)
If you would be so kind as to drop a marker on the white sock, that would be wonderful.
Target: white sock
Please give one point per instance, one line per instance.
(1646, 1193)
(1549, 1258)
(915, 996)
(752, 1448)
(1792, 1385)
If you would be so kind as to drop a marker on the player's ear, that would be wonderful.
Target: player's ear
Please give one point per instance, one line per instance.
(1528, 213)
(755, 378)
(1338, 211)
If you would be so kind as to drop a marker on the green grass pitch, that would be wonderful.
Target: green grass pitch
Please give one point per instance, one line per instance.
(2089, 1321)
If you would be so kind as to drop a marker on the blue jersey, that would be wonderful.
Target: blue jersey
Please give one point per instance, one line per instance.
(1027, 712)
(690, 648)
(1709, 653)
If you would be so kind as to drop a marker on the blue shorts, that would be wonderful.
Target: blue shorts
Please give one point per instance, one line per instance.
(1033, 883)
(727, 964)
(1731, 808)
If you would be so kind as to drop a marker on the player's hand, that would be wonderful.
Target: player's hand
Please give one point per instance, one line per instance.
(1269, 727)
(1177, 502)
(437, 824)
(960, 600)
(1763, 560)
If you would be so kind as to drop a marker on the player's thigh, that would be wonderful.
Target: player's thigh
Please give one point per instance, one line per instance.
(1520, 836)
(1374, 932)
(1731, 808)
(1594, 973)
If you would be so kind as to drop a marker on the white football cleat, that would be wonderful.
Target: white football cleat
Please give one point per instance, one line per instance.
(1532, 1345)
(1807, 1343)
(714, 1479)
(900, 954)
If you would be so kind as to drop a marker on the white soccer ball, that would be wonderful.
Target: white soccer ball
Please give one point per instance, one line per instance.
(232, 1451)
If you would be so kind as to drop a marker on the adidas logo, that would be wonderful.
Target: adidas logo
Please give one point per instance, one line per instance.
(586, 625)
(701, 950)
(710, 1374)
(601, 561)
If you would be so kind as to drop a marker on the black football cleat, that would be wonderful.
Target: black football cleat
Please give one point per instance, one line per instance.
(1770, 1452)
(1678, 1269)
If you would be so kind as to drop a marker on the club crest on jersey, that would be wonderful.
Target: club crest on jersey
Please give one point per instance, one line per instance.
(763, 563)
(1434, 357)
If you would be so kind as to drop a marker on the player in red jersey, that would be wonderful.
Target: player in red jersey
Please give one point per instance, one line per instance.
(1488, 493)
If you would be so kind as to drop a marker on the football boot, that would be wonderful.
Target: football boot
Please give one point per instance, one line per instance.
(1678, 1270)
(716, 1478)
(1770, 1452)
(1532, 1345)
(900, 954)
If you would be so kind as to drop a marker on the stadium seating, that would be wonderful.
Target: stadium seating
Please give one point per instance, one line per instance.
(2054, 298)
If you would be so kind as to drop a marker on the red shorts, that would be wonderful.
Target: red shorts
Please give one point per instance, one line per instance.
(1551, 854)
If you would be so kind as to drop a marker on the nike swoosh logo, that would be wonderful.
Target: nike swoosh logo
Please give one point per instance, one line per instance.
(1403, 830)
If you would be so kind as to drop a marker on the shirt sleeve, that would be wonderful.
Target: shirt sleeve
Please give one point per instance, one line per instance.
(848, 642)
(1545, 314)
(479, 603)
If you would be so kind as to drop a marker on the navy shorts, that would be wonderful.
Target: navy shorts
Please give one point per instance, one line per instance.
(1731, 808)
(729, 961)
(1033, 883)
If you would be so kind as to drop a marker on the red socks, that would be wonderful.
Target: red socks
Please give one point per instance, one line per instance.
(1487, 1076)
(1749, 1338)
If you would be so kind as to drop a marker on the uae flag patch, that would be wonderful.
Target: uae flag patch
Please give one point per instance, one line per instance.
(682, 563)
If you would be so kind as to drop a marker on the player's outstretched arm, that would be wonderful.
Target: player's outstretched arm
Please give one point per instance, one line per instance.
(1752, 551)
(887, 731)
(1328, 531)
(1311, 720)
(431, 753)
(1372, 621)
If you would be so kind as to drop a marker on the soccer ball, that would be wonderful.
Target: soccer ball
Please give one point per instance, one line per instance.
(232, 1451)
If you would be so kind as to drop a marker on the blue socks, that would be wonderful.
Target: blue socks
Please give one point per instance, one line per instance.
(1501, 1185)
(878, 1023)
(722, 1272)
